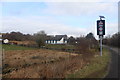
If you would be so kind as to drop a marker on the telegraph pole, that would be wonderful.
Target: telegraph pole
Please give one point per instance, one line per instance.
(101, 31)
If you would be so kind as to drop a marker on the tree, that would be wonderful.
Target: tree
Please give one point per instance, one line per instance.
(90, 35)
(17, 36)
(92, 41)
(40, 38)
(83, 45)
(71, 40)
(113, 40)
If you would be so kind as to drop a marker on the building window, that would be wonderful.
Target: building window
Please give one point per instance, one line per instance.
(53, 41)
(56, 41)
(47, 41)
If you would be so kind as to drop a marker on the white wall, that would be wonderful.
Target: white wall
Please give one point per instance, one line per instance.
(65, 42)
(48, 42)
(52, 42)
(58, 42)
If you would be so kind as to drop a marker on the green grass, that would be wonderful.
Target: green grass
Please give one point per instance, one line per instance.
(96, 69)
(15, 47)
(58, 46)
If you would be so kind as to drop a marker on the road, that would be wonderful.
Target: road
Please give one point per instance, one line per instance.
(114, 63)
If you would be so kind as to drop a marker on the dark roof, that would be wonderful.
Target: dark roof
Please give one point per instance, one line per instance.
(50, 38)
(57, 37)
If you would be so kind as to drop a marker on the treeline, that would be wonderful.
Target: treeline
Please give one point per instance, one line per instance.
(17, 36)
(114, 40)
(40, 37)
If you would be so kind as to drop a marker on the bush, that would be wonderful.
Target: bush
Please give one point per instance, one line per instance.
(83, 46)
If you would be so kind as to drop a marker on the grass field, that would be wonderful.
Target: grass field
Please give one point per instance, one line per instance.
(15, 47)
(97, 68)
(60, 46)
(24, 62)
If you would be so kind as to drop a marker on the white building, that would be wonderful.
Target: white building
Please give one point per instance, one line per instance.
(5, 41)
(58, 39)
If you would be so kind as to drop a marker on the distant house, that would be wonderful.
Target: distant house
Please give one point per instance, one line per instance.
(1, 37)
(5, 41)
(58, 39)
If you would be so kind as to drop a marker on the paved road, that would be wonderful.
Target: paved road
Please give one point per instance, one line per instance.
(114, 66)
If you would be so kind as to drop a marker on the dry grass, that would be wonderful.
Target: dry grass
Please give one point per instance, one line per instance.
(97, 68)
(24, 42)
(42, 63)
(39, 63)
(33, 56)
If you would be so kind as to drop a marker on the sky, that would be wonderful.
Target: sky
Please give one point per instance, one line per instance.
(58, 17)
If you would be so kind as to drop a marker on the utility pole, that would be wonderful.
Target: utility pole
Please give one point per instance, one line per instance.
(101, 31)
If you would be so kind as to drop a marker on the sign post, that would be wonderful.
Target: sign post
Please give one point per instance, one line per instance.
(101, 31)
(100, 45)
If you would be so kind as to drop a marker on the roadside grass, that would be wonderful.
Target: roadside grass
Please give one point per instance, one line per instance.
(15, 47)
(97, 68)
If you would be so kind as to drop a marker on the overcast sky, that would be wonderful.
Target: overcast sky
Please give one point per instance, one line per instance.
(62, 17)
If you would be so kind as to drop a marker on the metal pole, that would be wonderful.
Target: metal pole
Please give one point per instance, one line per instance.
(100, 45)
(101, 38)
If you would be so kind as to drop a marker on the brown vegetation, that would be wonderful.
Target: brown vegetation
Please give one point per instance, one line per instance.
(113, 40)
(42, 63)
(23, 43)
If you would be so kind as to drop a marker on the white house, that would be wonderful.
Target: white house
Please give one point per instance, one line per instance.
(58, 39)
(5, 41)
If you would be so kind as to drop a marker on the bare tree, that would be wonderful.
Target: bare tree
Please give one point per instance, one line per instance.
(85, 44)
(113, 40)
(92, 41)
(82, 45)
(71, 40)
(40, 38)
